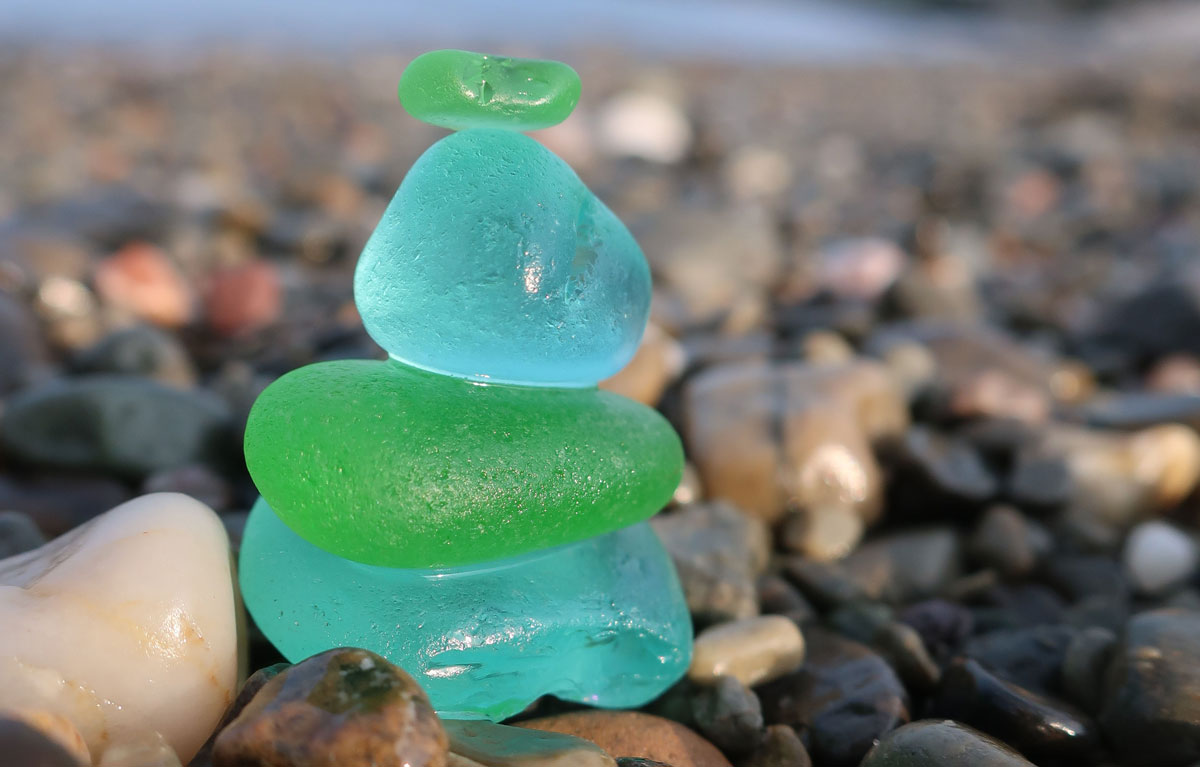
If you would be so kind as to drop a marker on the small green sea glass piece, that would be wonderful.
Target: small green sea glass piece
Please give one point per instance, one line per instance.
(460, 89)
(387, 464)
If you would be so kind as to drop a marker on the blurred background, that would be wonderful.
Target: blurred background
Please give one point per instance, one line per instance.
(184, 191)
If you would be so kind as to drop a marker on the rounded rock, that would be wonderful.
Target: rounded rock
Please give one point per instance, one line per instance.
(753, 650)
(460, 89)
(946, 743)
(632, 733)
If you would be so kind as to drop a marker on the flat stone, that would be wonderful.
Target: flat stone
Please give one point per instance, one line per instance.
(751, 650)
(1031, 657)
(631, 733)
(149, 585)
(457, 472)
(482, 743)
(845, 696)
(718, 552)
(115, 424)
(558, 290)
(344, 706)
(944, 743)
(1149, 712)
(459, 89)
(943, 626)
(1041, 728)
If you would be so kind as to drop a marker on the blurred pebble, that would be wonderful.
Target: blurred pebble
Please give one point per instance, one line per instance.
(859, 268)
(480, 742)
(1030, 657)
(719, 552)
(25, 745)
(728, 714)
(907, 566)
(18, 534)
(751, 650)
(1084, 666)
(141, 351)
(780, 747)
(1158, 556)
(632, 733)
(22, 351)
(822, 533)
(244, 298)
(196, 480)
(898, 643)
(141, 281)
(59, 503)
(644, 125)
(778, 597)
(658, 362)
(941, 743)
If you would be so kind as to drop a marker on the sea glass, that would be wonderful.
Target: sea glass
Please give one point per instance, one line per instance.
(494, 261)
(601, 622)
(460, 89)
(391, 465)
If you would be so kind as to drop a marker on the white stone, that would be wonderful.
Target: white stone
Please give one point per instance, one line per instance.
(645, 125)
(126, 625)
(1158, 556)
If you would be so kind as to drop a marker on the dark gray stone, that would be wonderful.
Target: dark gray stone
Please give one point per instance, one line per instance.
(780, 747)
(728, 713)
(1084, 667)
(18, 534)
(942, 743)
(1031, 657)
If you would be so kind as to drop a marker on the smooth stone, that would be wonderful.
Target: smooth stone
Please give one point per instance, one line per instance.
(459, 89)
(250, 688)
(148, 750)
(55, 727)
(658, 362)
(1038, 481)
(27, 746)
(1158, 556)
(1030, 657)
(149, 586)
(777, 596)
(521, 275)
(823, 533)
(825, 583)
(141, 350)
(1140, 409)
(718, 552)
(728, 714)
(907, 566)
(1084, 665)
(59, 503)
(406, 468)
(18, 534)
(344, 706)
(1080, 576)
(845, 696)
(601, 621)
(771, 438)
(1006, 540)
(780, 747)
(1149, 711)
(898, 643)
(479, 743)
(944, 743)
(1040, 728)
(948, 468)
(124, 425)
(943, 626)
(632, 733)
(751, 650)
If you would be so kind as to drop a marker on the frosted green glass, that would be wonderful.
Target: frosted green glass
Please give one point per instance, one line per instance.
(460, 89)
(494, 261)
(601, 622)
(391, 465)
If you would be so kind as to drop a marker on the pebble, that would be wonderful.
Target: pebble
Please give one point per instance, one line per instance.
(823, 533)
(657, 363)
(859, 268)
(196, 480)
(1031, 657)
(148, 750)
(141, 281)
(751, 650)
(343, 706)
(780, 747)
(1038, 481)
(22, 350)
(778, 597)
(719, 552)
(1084, 665)
(944, 743)
(908, 566)
(1043, 729)
(631, 733)
(845, 696)
(1006, 540)
(729, 715)
(54, 727)
(244, 298)
(141, 350)
(950, 468)
(943, 626)
(18, 534)
(59, 503)
(825, 583)
(25, 745)
(1148, 711)
(774, 437)
(898, 643)
(1158, 556)
(480, 743)
(115, 424)
(644, 125)
(149, 584)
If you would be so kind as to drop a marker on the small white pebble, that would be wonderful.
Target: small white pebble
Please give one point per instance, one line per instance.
(1158, 556)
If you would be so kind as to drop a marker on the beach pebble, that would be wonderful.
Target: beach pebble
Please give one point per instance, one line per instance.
(728, 713)
(18, 534)
(142, 350)
(632, 733)
(27, 746)
(344, 706)
(751, 650)
(645, 125)
(780, 747)
(482, 743)
(142, 282)
(1158, 556)
(149, 585)
(941, 743)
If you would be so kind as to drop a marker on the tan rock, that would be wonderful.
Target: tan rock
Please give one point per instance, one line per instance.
(128, 625)
(753, 650)
(659, 361)
(632, 733)
(479, 743)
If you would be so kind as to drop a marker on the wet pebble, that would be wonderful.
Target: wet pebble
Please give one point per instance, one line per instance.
(729, 715)
(1006, 540)
(1031, 657)
(634, 734)
(482, 743)
(751, 650)
(941, 743)
(906, 566)
(1158, 556)
(25, 745)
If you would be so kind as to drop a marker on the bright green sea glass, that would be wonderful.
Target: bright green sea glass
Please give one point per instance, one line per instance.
(460, 89)
(391, 465)
(601, 622)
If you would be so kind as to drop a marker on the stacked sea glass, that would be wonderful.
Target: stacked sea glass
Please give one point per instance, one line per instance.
(474, 508)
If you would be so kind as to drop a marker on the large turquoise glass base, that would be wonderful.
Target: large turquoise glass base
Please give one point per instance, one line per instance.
(601, 622)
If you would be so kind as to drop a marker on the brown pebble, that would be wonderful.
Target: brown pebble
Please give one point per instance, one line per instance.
(632, 733)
